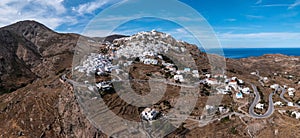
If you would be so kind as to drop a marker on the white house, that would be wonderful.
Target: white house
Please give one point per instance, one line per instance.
(208, 75)
(227, 88)
(160, 57)
(233, 84)
(290, 104)
(195, 73)
(265, 79)
(211, 81)
(222, 109)
(253, 73)
(187, 70)
(207, 107)
(291, 91)
(234, 78)
(179, 71)
(297, 114)
(149, 114)
(241, 81)
(246, 90)
(274, 86)
(278, 103)
(259, 106)
(179, 78)
(227, 81)
(171, 69)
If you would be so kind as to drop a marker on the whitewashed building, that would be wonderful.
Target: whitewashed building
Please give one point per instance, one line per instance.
(278, 103)
(259, 106)
(246, 90)
(149, 114)
(179, 78)
(291, 91)
(297, 114)
(290, 104)
(274, 86)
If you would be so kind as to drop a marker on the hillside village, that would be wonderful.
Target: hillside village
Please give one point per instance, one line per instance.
(148, 48)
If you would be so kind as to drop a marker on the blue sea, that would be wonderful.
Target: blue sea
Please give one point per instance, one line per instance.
(255, 52)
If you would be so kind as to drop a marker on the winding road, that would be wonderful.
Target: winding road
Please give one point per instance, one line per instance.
(256, 100)
(251, 108)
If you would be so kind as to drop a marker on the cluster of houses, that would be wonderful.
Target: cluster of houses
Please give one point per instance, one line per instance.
(143, 43)
(96, 63)
(221, 109)
(106, 85)
(232, 84)
(179, 74)
(146, 46)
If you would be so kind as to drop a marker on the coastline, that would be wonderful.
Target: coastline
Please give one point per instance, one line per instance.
(238, 53)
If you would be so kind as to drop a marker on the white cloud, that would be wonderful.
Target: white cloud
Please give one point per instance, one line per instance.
(254, 17)
(90, 7)
(230, 20)
(52, 13)
(273, 5)
(295, 4)
(259, 2)
(290, 6)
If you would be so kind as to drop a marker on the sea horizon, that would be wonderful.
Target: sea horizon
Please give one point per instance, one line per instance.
(238, 53)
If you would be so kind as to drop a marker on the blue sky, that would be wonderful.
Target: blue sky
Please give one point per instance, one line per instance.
(237, 23)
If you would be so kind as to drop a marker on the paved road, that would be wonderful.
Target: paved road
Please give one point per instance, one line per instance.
(74, 83)
(283, 91)
(256, 100)
(260, 78)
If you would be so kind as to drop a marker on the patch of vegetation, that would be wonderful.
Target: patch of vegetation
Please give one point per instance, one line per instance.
(167, 59)
(168, 75)
(233, 130)
(225, 119)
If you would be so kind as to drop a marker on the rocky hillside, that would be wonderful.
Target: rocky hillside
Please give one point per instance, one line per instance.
(34, 103)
